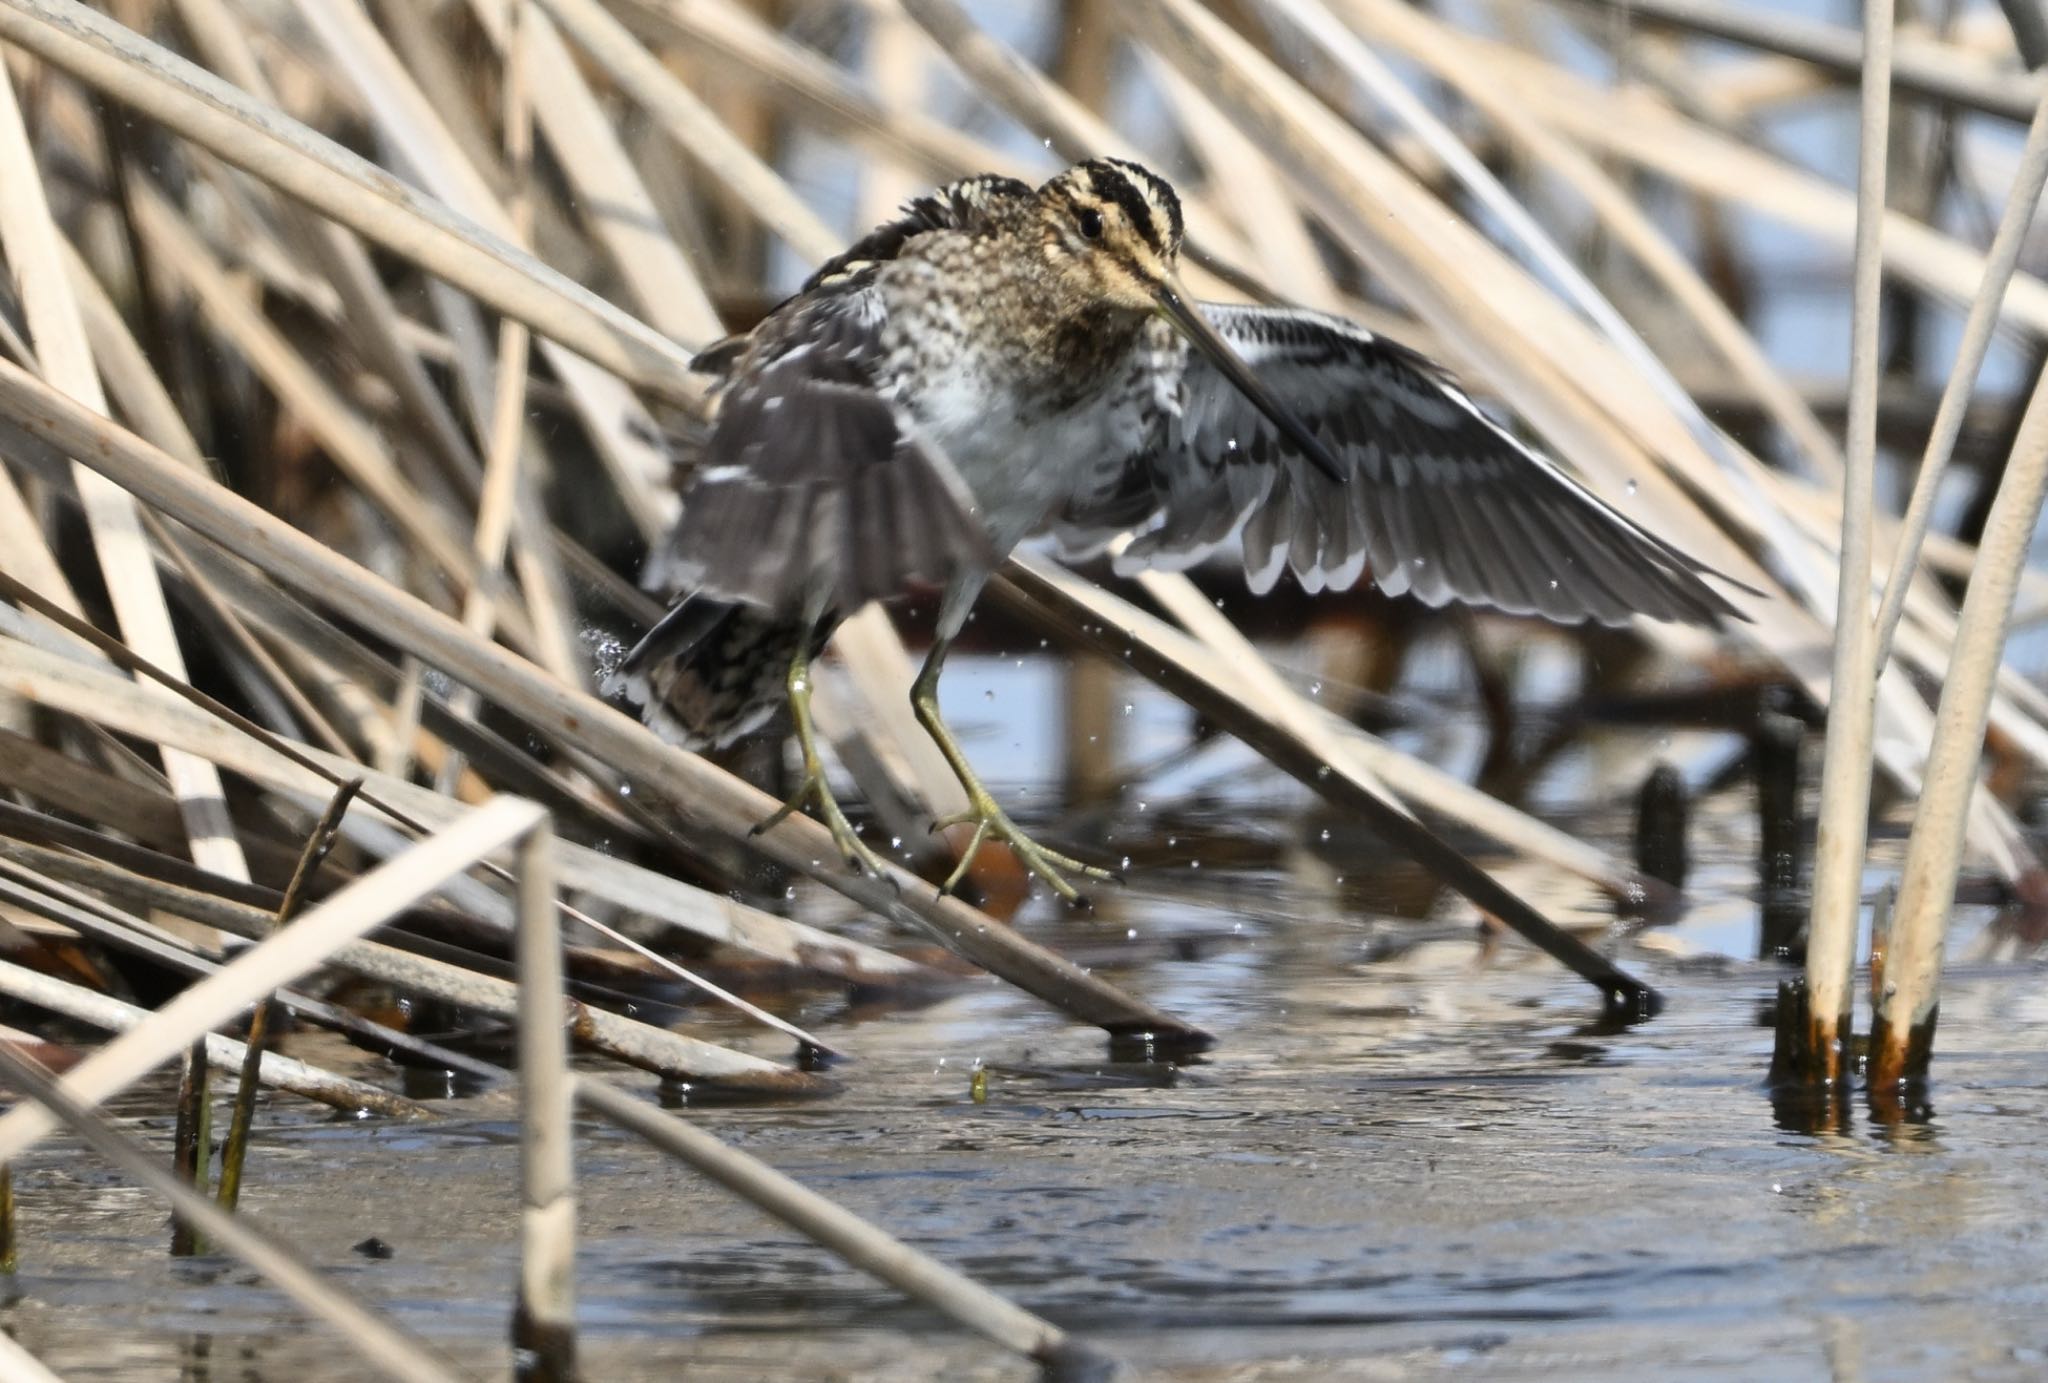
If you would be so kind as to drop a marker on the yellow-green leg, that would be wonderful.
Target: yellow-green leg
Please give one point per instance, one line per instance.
(814, 788)
(988, 818)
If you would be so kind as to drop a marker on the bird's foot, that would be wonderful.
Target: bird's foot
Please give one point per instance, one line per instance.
(857, 853)
(988, 820)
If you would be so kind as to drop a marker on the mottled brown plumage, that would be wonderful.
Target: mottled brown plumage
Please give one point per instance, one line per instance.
(1001, 361)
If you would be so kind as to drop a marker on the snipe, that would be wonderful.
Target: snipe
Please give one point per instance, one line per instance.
(1000, 361)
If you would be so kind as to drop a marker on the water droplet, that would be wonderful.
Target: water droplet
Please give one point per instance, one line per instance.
(790, 892)
(1230, 445)
(1126, 864)
(1629, 488)
(625, 789)
(1094, 738)
(1194, 864)
(1323, 772)
(1172, 841)
(1141, 806)
(1127, 708)
(989, 695)
(1553, 585)
(1326, 833)
(1130, 934)
(1315, 689)
(896, 842)
(1418, 561)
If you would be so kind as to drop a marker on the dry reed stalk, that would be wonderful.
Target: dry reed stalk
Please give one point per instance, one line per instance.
(1852, 702)
(1284, 744)
(1658, 139)
(1268, 219)
(1921, 66)
(259, 140)
(352, 444)
(222, 736)
(1647, 134)
(276, 961)
(610, 195)
(695, 128)
(111, 1015)
(809, 85)
(373, 1341)
(88, 916)
(1902, 1038)
(36, 261)
(242, 1116)
(369, 315)
(1448, 55)
(668, 1054)
(504, 440)
(544, 1320)
(1515, 337)
(15, 1361)
(2000, 261)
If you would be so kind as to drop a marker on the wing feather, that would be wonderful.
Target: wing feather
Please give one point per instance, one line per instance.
(813, 485)
(1440, 501)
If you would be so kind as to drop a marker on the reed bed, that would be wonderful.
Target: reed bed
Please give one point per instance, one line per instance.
(346, 366)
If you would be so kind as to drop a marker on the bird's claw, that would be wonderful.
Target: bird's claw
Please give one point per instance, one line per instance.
(988, 820)
(860, 858)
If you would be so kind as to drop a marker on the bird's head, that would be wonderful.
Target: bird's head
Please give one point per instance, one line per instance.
(1112, 233)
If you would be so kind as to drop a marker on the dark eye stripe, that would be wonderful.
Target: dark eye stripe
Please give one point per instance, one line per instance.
(1162, 202)
(1112, 185)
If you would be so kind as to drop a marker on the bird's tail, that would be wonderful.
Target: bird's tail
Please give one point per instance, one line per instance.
(711, 671)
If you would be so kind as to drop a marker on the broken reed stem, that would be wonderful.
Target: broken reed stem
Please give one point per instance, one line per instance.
(544, 1318)
(192, 1144)
(10, 1242)
(1662, 813)
(1781, 846)
(1902, 1037)
(319, 843)
(1852, 696)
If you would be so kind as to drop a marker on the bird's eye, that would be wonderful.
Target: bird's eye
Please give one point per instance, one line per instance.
(1091, 225)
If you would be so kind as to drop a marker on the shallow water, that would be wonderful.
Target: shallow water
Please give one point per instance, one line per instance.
(1401, 1161)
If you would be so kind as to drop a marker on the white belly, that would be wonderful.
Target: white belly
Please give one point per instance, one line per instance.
(1019, 467)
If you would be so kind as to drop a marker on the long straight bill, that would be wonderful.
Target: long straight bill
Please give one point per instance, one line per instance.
(1177, 307)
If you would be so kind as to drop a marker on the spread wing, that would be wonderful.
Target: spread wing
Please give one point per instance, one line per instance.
(1439, 500)
(814, 482)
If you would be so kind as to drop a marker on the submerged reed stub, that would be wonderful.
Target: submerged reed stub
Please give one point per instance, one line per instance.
(1663, 814)
(1781, 842)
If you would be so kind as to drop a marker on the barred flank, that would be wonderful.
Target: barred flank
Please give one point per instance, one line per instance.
(711, 672)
